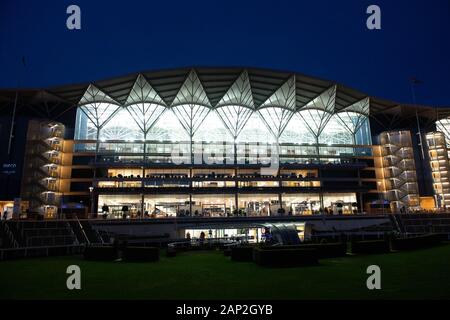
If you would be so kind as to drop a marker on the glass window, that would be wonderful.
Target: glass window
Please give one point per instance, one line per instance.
(92, 117)
(335, 133)
(168, 128)
(121, 127)
(276, 119)
(234, 117)
(145, 115)
(297, 132)
(444, 127)
(255, 131)
(212, 129)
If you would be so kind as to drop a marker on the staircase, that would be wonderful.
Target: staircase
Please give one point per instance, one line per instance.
(397, 223)
(399, 169)
(37, 234)
(42, 167)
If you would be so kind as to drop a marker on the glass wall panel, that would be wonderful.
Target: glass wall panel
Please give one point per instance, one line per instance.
(116, 147)
(91, 117)
(363, 135)
(215, 153)
(315, 120)
(217, 205)
(84, 147)
(145, 115)
(124, 173)
(162, 206)
(117, 202)
(302, 184)
(301, 204)
(235, 117)
(276, 119)
(213, 184)
(255, 131)
(212, 130)
(443, 126)
(168, 128)
(297, 132)
(121, 127)
(258, 204)
(335, 133)
(258, 184)
(191, 116)
(249, 234)
(119, 184)
(84, 128)
(339, 203)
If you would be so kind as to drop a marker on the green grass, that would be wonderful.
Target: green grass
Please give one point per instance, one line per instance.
(422, 274)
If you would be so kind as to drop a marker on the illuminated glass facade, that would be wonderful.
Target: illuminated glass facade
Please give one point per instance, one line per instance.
(168, 140)
(215, 142)
(121, 126)
(238, 141)
(233, 120)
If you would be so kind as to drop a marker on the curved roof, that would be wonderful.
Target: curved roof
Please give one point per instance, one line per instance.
(212, 87)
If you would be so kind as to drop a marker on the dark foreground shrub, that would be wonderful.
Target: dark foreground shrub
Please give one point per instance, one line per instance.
(227, 252)
(285, 257)
(370, 246)
(242, 253)
(419, 242)
(324, 250)
(141, 254)
(100, 253)
(171, 252)
(329, 250)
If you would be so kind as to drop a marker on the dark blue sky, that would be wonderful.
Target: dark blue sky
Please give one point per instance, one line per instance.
(326, 39)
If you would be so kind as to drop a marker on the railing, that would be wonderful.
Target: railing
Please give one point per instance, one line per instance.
(39, 251)
(9, 235)
(50, 240)
(82, 230)
(211, 242)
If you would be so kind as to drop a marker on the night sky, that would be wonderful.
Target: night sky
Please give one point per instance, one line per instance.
(326, 39)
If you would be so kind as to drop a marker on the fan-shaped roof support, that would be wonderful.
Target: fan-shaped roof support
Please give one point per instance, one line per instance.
(278, 109)
(443, 126)
(191, 92)
(98, 106)
(239, 94)
(319, 111)
(144, 105)
(354, 116)
(284, 97)
(95, 95)
(143, 92)
(191, 104)
(190, 116)
(276, 119)
(234, 117)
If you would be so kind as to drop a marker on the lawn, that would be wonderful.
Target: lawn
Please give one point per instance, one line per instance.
(422, 274)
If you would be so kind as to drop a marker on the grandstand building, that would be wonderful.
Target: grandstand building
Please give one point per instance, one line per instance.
(221, 142)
